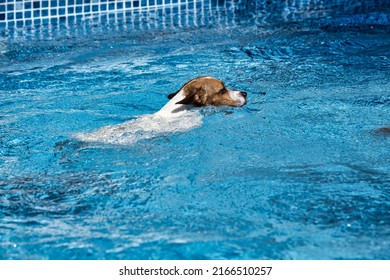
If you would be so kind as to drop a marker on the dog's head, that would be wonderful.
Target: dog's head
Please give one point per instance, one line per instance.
(204, 91)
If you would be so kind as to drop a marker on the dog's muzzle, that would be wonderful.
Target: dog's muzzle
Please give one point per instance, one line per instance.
(241, 98)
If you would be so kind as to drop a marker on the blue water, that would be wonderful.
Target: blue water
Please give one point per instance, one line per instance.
(301, 172)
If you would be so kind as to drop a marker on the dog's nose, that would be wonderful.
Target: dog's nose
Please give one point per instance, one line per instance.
(243, 93)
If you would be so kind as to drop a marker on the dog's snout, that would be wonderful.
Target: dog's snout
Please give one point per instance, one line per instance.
(243, 93)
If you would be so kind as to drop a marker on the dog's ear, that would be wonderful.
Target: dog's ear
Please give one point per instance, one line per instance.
(194, 98)
(172, 95)
(188, 100)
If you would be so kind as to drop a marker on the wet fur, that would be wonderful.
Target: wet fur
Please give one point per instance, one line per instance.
(204, 91)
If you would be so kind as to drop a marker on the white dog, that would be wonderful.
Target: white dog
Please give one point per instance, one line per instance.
(174, 116)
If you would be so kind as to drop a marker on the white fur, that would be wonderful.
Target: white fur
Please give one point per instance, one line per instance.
(171, 118)
(237, 96)
(172, 109)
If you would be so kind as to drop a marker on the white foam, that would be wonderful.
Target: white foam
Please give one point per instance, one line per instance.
(143, 127)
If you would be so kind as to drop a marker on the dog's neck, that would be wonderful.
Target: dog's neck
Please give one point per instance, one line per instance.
(173, 109)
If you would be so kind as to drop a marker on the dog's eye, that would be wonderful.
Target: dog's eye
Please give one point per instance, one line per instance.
(222, 91)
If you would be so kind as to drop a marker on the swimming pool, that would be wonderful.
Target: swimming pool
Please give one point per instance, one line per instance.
(298, 173)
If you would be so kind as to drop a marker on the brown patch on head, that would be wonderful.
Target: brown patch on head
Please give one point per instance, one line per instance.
(204, 91)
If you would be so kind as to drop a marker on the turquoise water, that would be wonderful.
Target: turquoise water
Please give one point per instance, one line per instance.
(300, 172)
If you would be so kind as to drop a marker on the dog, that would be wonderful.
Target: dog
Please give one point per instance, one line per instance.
(175, 116)
(202, 91)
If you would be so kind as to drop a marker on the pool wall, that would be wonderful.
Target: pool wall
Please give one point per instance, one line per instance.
(16, 14)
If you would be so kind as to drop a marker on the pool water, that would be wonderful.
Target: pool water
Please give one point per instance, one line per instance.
(300, 172)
